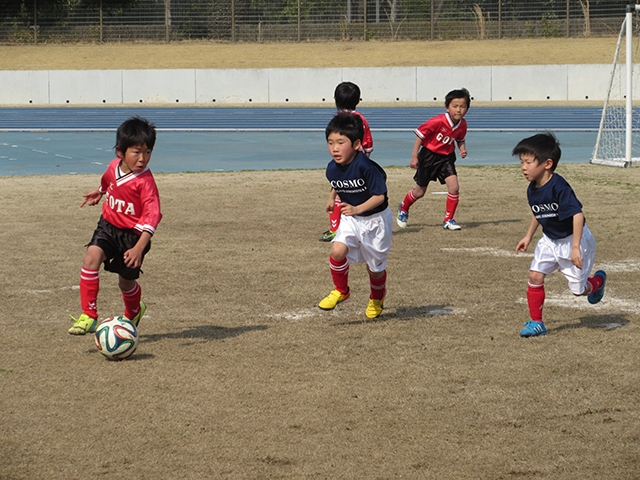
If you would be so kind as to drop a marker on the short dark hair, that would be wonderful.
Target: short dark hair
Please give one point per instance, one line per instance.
(135, 131)
(347, 96)
(459, 93)
(346, 124)
(542, 146)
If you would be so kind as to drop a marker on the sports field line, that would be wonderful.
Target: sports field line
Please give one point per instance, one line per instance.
(303, 314)
(608, 304)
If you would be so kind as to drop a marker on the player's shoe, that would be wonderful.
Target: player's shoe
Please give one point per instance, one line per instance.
(327, 236)
(374, 308)
(596, 296)
(83, 324)
(334, 298)
(136, 320)
(451, 225)
(402, 218)
(533, 329)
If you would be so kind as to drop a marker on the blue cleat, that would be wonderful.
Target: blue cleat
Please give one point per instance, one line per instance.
(596, 296)
(402, 217)
(533, 329)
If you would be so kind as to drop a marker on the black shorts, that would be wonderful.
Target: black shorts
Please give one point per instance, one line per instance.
(114, 242)
(433, 166)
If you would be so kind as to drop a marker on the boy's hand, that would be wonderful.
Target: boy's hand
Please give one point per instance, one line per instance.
(91, 198)
(523, 245)
(414, 162)
(463, 152)
(329, 206)
(132, 258)
(348, 210)
(576, 256)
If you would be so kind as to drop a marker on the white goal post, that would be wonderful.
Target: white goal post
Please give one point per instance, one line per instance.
(617, 136)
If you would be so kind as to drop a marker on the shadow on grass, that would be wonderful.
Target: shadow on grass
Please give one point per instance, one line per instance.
(203, 332)
(405, 314)
(604, 322)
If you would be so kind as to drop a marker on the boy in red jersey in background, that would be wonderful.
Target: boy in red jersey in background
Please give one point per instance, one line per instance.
(347, 97)
(434, 156)
(130, 216)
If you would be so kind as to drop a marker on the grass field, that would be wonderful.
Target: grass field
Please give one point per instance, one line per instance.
(240, 375)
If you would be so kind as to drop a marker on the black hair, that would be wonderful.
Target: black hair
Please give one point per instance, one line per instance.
(346, 124)
(347, 96)
(542, 146)
(460, 93)
(135, 131)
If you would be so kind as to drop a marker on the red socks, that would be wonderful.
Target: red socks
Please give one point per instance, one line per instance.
(334, 216)
(132, 301)
(89, 287)
(596, 283)
(452, 204)
(378, 286)
(535, 298)
(409, 199)
(340, 274)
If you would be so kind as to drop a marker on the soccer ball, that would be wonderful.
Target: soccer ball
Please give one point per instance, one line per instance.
(116, 338)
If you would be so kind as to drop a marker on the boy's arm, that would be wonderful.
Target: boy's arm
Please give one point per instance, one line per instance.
(524, 243)
(91, 198)
(414, 152)
(576, 254)
(350, 210)
(462, 146)
(133, 256)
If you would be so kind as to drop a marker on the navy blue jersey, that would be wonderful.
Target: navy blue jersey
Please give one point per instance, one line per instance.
(358, 182)
(554, 205)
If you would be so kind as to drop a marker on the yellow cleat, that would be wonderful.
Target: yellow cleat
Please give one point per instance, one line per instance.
(136, 320)
(83, 324)
(374, 308)
(334, 298)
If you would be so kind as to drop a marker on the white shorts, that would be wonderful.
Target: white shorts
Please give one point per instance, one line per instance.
(552, 255)
(367, 238)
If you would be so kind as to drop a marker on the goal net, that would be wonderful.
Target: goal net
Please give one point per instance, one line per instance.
(618, 140)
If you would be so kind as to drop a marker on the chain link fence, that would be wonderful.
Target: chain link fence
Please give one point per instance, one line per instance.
(56, 21)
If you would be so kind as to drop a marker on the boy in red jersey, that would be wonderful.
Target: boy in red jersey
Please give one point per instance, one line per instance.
(130, 215)
(434, 156)
(347, 97)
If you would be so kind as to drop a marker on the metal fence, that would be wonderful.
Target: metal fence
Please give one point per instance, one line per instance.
(56, 21)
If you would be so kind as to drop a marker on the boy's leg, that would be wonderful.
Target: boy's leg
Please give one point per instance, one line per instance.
(597, 283)
(535, 300)
(89, 288)
(134, 308)
(378, 285)
(410, 198)
(453, 189)
(339, 266)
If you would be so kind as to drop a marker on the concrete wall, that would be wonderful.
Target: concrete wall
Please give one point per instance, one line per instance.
(302, 85)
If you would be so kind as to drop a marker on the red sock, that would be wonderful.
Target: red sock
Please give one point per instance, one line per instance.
(409, 199)
(596, 283)
(334, 216)
(452, 204)
(89, 287)
(535, 298)
(378, 286)
(340, 274)
(132, 301)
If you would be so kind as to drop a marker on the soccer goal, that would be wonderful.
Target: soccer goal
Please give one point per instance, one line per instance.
(618, 140)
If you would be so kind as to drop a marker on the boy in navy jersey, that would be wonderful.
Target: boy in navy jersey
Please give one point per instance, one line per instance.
(130, 216)
(434, 156)
(566, 244)
(366, 221)
(347, 97)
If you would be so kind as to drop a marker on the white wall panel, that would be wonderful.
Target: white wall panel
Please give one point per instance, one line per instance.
(433, 83)
(159, 86)
(24, 87)
(85, 87)
(388, 85)
(529, 83)
(303, 85)
(232, 86)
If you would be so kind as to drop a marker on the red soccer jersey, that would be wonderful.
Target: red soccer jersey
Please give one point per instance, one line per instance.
(132, 201)
(367, 140)
(439, 133)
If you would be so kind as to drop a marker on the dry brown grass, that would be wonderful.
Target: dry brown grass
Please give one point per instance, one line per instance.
(539, 51)
(239, 374)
